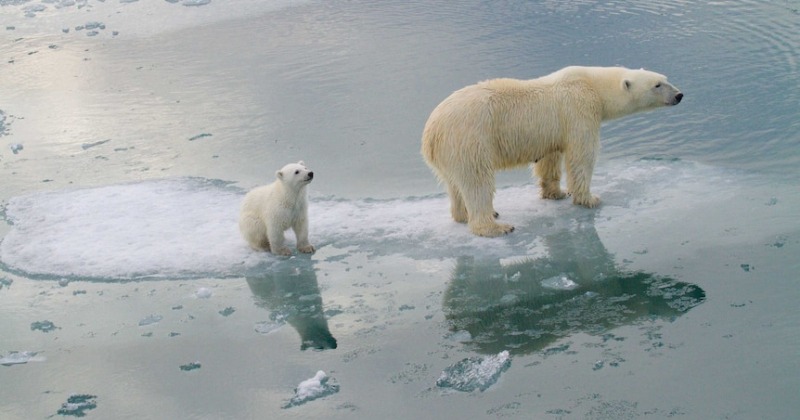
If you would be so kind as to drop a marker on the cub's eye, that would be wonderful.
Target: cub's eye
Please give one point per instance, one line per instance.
(658, 85)
(297, 172)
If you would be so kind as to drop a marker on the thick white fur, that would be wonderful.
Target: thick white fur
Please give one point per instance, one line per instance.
(268, 211)
(505, 123)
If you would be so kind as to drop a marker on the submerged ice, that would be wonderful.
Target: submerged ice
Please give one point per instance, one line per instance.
(474, 373)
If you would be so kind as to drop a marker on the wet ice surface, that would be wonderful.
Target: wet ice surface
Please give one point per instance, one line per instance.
(474, 373)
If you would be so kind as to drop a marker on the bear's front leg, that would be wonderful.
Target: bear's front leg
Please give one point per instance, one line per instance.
(301, 233)
(580, 161)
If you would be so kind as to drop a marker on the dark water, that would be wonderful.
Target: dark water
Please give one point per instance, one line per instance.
(124, 154)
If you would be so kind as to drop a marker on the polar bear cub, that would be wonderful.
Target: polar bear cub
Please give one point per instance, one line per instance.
(268, 211)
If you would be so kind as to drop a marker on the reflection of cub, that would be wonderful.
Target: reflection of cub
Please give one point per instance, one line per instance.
(269, 210)
(291, 292)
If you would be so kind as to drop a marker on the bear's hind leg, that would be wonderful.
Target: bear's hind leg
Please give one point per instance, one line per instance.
(478, 201)
(457, 208)
(548, 170)
(254, 232)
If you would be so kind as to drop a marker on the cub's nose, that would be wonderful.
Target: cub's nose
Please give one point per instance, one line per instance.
(311, 174)
(678, 98)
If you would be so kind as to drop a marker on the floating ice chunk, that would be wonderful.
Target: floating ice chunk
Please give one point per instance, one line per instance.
(76, 405)
(16, 147)
(191, 366)
(559, 282)
(20, 357)
(152, 319)
(474, 372)
(203, 293)
(63, 282)
(317, 387)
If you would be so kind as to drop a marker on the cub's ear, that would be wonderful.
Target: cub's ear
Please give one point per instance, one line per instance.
(301, 163)
(279, 174)
(626, 84)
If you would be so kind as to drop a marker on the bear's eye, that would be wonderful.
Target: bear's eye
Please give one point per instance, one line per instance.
(658, 85)
(297, 172)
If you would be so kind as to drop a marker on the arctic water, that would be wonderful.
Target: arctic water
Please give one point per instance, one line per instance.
(130, 130)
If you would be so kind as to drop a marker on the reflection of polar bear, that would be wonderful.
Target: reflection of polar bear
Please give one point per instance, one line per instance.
(503, 123)
(269, 210)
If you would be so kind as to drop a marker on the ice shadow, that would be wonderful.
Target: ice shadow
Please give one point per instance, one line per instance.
(523, 306)
(289, 290)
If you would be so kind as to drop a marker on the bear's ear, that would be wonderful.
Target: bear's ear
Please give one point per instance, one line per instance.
(626, 84)
(279, 175)
(301, 163)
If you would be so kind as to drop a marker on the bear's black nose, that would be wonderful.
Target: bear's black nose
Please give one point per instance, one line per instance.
(311, 174)
(678, 98)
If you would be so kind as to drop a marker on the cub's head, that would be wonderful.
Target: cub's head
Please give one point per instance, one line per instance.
(649, 90)
(295, 174)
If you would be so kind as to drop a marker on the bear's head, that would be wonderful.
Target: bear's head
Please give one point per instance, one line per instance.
(648, 90)
(295, 174)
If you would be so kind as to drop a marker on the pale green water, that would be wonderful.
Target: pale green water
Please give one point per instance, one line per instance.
(675, 299)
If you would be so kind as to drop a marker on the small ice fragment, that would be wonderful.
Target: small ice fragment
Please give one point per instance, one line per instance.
(203, 293)
(191, 366)
(515, 276)
(317, 387)
(266, 327)
(16, 147)
(94, 25)
(63, 282)
(598, 365)
(152, 319)
(20, 357)
(76, 405)
(227, 311)
(559, 282)
(474, 372)
(43, 326)
(5, 282)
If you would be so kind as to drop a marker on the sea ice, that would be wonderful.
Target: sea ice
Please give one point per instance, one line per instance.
(16, 147)
(317, 387)
(474, 372)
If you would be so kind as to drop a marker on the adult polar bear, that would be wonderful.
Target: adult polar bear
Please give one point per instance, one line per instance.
(504, 123)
